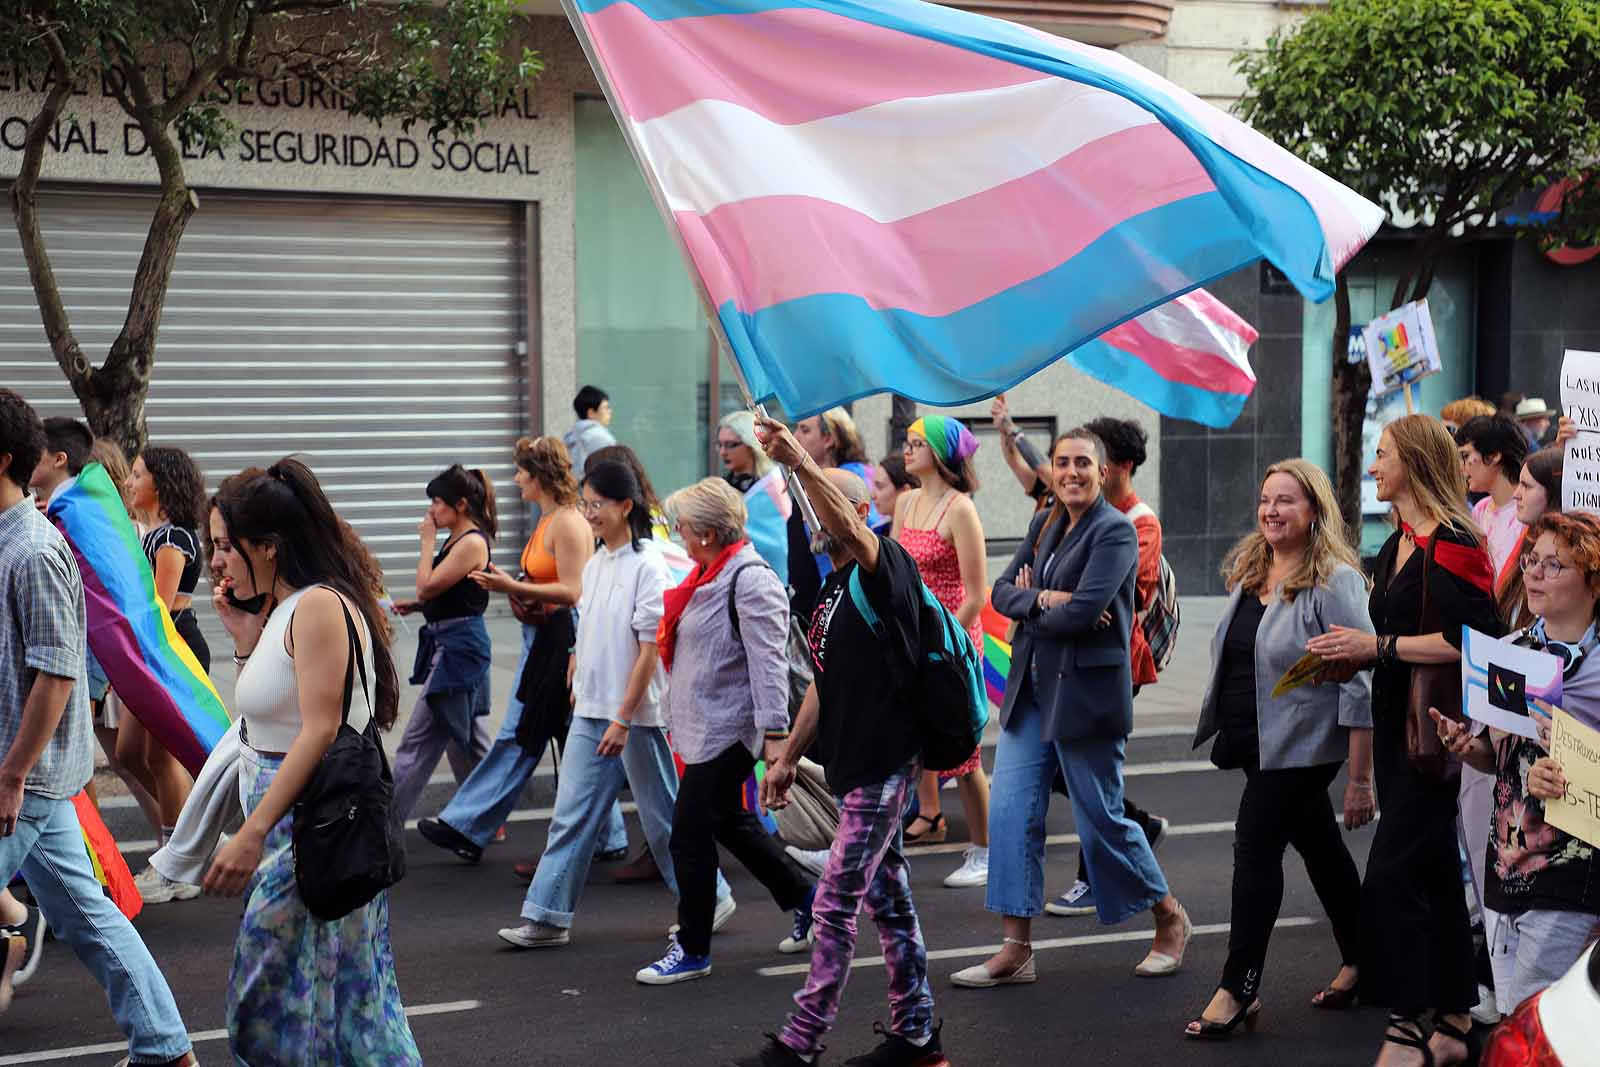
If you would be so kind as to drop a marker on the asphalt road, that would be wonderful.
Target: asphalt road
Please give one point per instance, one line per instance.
(478, 1003)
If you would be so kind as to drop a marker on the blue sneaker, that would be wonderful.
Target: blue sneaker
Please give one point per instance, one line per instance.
(804, 934)
(676, 966)
(1079, 900)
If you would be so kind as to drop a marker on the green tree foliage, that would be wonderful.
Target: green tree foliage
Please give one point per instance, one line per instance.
(438, 64)
(1450, 113)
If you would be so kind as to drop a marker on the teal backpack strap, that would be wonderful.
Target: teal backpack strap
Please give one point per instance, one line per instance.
(858, 597)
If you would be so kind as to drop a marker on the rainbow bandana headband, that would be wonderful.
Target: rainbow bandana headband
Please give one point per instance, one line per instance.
(950, 440)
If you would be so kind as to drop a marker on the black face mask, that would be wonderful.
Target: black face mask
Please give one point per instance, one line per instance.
(252, 606)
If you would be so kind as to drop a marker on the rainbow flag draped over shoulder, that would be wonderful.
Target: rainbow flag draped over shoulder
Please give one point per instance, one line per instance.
(988, 196)
(130, 632)
(996, 652)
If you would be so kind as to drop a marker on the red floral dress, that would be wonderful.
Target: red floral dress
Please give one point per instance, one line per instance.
(941, 572)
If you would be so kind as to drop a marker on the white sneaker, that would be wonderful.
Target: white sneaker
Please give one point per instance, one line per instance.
(813, 860)
(724, 912)
(535, 935)
(1486, 1011)
(157, 888)
(974, 871)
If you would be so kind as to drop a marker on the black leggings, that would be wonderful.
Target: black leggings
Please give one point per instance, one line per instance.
(710, 811)
(188, 628)
(1281, 808)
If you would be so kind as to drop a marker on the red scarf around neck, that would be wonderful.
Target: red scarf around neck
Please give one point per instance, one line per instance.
(676, 599)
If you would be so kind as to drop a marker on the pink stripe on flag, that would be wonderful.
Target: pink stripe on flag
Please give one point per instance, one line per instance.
(790, 247)
(790, 65)
(1213, 372)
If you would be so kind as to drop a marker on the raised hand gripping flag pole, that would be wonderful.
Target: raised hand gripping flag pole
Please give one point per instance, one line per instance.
(890, 195)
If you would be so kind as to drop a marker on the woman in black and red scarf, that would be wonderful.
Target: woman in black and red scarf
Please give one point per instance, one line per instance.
(1416, 946)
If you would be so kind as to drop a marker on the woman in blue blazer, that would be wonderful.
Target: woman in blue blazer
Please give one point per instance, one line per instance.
(1069, 703)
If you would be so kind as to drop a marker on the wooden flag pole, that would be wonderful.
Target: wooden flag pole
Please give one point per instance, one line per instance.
(1411, 404)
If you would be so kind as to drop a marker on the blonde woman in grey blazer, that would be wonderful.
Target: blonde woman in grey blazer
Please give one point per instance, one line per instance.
(1290, 580)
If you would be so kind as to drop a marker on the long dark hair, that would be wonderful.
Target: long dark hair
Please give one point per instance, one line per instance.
(615, 480)
(630, 459)
(284, 506)
(894, 468)
(180, 489)
(1510, 599)
(456, 483)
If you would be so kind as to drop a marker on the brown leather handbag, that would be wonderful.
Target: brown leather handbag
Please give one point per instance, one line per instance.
(1433, 685)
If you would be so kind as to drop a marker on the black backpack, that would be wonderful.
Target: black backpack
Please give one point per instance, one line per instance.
(346, 849)
(797, 652)
(946, 682)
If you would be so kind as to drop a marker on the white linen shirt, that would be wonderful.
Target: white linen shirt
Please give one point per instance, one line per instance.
(620, 608)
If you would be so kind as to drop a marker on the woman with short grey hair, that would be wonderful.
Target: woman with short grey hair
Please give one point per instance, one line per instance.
(722, 639)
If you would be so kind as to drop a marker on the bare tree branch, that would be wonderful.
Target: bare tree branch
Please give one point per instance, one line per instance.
(25, 210)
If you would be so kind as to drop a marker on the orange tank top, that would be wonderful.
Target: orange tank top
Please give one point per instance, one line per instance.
(538, 562)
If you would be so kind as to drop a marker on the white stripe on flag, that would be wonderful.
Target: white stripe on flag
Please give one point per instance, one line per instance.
(888, 161)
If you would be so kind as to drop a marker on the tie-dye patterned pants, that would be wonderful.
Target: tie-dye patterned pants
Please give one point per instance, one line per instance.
(866, 866)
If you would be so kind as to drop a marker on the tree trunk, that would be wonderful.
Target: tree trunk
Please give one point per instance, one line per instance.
(1352, 382)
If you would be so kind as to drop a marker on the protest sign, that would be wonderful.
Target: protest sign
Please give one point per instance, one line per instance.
(1498, 678)
(1580, 400)
(1402, 347)
(1577, 748)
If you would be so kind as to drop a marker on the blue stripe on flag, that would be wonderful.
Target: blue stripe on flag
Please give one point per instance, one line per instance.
(1279, 219)
(994, 343)
(1138, 379)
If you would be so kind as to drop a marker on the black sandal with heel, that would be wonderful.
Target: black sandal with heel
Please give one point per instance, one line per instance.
(1210, 1030)
(1444, 1026)
(933, 835)
(1335, 999)
(1406, 1031)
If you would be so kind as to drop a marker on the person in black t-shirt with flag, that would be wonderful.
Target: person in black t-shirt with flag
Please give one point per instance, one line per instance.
(865, 736)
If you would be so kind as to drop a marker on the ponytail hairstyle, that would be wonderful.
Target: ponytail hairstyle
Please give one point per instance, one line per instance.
(615, 480)
(1058, 510)
(455, 484)
(284, 506)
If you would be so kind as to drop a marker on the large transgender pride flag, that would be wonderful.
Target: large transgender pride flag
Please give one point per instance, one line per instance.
(893, 195)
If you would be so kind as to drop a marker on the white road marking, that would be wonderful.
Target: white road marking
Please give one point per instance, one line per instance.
(1186, 830)
(1038, 946)
(199, 1036)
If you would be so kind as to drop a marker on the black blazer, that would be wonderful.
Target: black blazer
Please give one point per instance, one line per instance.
(1082, 675)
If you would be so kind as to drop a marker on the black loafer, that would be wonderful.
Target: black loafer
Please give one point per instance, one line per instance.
(450, 839)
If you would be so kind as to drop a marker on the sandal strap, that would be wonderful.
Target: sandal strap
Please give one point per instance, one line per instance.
(1441, 1025)
(1017, 942)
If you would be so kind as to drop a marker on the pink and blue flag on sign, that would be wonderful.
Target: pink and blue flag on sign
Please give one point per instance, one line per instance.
(892, 195)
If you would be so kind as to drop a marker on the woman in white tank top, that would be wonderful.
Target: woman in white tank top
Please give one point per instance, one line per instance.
(301, 990)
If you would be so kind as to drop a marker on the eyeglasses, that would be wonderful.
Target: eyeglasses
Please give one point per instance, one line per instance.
(1549, 568)
(591, 507)
(729, 446)
(915, 444)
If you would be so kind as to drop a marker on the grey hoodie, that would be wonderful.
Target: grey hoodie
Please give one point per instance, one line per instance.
(585, 436)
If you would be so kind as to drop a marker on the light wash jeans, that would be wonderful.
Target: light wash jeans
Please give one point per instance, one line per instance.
(588, 790)
(1530, 950)
(483, 801)
(1122, 868)
(47, 848)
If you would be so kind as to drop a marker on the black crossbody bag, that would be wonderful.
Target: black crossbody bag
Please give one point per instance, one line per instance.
(346, 849)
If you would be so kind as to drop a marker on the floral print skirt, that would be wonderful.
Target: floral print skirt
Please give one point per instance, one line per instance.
(304, 991)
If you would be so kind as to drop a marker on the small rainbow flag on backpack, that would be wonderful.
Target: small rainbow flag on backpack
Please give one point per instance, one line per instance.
(130, 631)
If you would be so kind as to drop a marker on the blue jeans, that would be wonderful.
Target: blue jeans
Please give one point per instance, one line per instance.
(483, 801)
(586, 794)
(47, 848)
(1122, 868)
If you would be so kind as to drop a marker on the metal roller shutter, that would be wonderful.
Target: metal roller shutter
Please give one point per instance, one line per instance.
(377, 339)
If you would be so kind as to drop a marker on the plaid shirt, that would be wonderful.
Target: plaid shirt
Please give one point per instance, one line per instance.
(42, 629)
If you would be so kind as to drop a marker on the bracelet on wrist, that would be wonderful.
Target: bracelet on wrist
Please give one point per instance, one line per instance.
(240, 658)
(624, 725)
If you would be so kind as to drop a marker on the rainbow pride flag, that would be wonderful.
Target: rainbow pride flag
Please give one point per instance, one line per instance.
(130, 631)
(996, 652)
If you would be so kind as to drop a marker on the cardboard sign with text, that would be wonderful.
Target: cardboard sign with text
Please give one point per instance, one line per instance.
(1577, 748)
(1580, 401)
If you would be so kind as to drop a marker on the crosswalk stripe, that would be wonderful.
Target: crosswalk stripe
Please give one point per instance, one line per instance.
(1038, 946)
(200, 1036)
